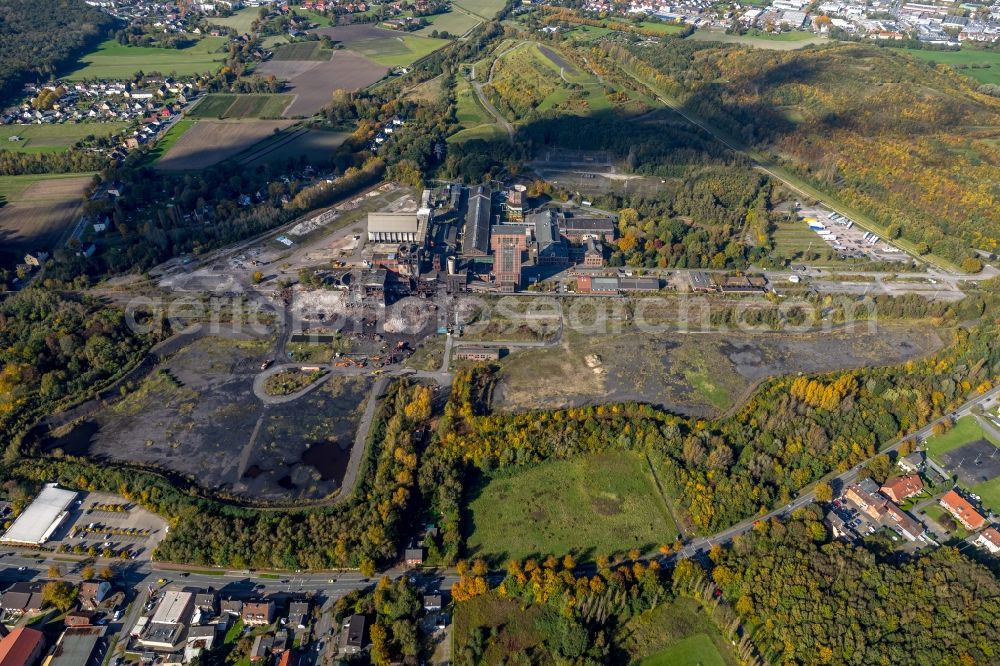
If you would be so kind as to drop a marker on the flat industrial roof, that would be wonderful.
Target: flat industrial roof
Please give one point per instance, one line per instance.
(173, 607)
(36, 523)
(393, 222)
(76, 646)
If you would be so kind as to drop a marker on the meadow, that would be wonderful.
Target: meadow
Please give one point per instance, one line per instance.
(983, 66)
(111, 60)
(965, 430)
(240, 21)
(678, 633)
(485, 8)
(52, 138)
(456, 23)
(604, 504)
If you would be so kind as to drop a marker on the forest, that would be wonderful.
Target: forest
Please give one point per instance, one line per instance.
(808, 600)
(37, 39)
(54, 349)
(909, 144)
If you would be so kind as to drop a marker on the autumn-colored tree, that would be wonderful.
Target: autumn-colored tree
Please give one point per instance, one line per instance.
(824, 493)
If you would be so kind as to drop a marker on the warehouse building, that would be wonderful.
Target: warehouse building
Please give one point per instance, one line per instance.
(42, 518)
(408, 227)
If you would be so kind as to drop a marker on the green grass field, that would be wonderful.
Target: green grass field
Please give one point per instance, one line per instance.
(111, 60)
(990, 493)
(168, 140)
(697, 650)
(965, 430)
(485, 8)
(587, 33)
(456, 23)
(989, 61)
(52, 138)
(602, 504)
(397, 50)
(664, 28)
(677, 632)
(240, 21)
(241, 106)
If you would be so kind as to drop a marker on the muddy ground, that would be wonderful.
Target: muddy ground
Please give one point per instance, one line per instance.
(695, 374)
(196, 415)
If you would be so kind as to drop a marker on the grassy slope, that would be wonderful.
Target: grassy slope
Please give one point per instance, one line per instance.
(602, 504)
(697, 650)
(455, 22)
(52, 138)
(112, 60)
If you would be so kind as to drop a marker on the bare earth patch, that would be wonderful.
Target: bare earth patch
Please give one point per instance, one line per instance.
(313, 82)
(212, 141)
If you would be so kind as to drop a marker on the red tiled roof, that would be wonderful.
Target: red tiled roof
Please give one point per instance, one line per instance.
(902, 487)
(21, 647)
(959, 507)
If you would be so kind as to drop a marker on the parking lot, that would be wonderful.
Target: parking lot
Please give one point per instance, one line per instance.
(848, 239)
(102, 521)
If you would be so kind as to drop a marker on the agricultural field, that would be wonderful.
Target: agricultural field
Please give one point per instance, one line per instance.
(485, 8)
(111, 60)
(603, 504)
(384, 47)
(313, 82)
(678, 633)
(701, 374)
(316, 146)
(965, 430)
(983, 66)
(302, 51)
(52, 138)
(211, 141)
(456, 23)
(223, 106)
(36, 210)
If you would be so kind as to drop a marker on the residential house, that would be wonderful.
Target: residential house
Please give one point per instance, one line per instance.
(298, 614)
(257, 613)
(912, 463)
(23, 597)
(962, 510)
(432, 602)
(989, 540)
(82, 618)
(902, 522)
(93, 593)
(866, 497)
(902, 487)
(231, 606)
(354, 637)
(414, 557)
